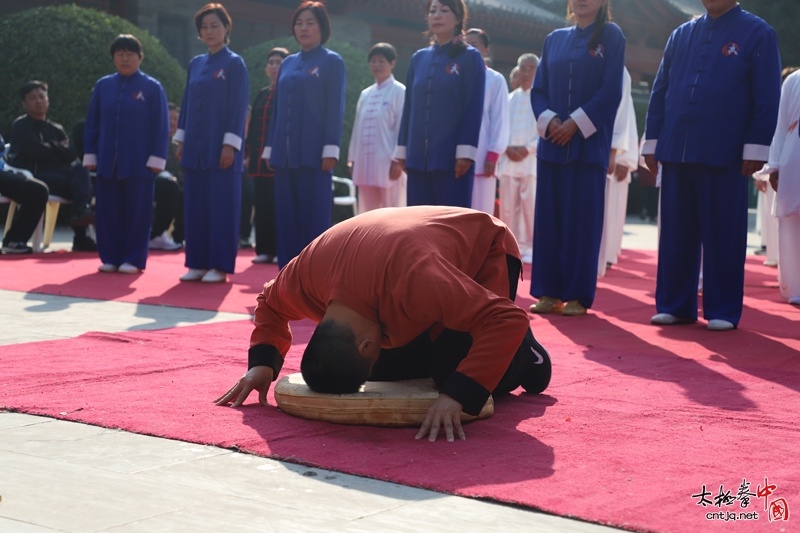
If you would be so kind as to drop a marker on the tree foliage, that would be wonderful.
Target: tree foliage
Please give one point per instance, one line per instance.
(783, 15)
(359, 78)
(68, 48)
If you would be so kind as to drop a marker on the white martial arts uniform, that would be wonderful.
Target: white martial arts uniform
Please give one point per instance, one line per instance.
(784, 157)
(492, 141)
(766, 222)
(626, 143)
(518, 178)
(378, 115)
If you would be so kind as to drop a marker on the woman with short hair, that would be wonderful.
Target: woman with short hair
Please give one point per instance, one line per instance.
(445, 85)
(305, 132)
(210, 136)
(125, 141)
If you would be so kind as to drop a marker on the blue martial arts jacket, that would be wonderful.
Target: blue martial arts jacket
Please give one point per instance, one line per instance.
(443, 108)
(575, 82)
(308, 110)
(127, 125)
(716, 95)
(213, 110)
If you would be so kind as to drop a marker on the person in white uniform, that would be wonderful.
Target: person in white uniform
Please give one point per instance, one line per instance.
(624, 160)
(381, 183)
(784, 170)
(494, 129)
(766, 222)
(517, 166)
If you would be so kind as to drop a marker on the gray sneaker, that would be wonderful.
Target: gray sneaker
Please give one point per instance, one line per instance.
(164, 242)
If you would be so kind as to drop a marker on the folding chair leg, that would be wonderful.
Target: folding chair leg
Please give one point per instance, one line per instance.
(12, 206)
(50, 216)
(37, 235)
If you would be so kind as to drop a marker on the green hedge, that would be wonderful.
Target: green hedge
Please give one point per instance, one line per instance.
(359, 78)
(67, 47)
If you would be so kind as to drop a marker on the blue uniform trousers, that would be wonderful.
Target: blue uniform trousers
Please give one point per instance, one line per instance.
(568, 226)
(702, 207)
(212, 206)
(123, 214)
(303, 204)
(440, 187)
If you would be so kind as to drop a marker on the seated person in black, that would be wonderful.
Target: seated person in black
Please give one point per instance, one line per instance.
(42, 147)
(31, 195)
(169, 196)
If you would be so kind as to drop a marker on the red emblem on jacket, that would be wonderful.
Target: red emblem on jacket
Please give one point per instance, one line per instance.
(598, 51)
(219, 74)
(452, 68)
(138, 95)
(314, 71)
(730, 49)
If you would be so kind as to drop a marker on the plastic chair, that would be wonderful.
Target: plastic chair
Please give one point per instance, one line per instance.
(351, 199)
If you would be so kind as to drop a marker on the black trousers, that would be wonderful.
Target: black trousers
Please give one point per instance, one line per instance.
(168, 196)
(423, 358)
(246, 224)
(31, 195)
(264, 198)
(73, 184)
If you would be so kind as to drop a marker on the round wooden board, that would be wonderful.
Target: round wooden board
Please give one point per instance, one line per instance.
(378, 403)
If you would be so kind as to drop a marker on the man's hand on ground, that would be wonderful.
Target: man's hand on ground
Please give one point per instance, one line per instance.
(257, 378)
(446, 412)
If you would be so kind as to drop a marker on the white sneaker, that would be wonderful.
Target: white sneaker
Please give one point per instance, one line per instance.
(264, 258)
(127, 268)
(107, 267)
(215, 276)
(795, 300)
(770, 263)
(164, 242)
(194, 274)
(717, 324)
(666, 319)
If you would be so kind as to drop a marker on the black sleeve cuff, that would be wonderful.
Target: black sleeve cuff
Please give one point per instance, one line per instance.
(466, 391)
(265, 355)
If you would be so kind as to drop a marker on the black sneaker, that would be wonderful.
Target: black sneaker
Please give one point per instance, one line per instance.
(83, 243)
(537, 375)
(17, 248)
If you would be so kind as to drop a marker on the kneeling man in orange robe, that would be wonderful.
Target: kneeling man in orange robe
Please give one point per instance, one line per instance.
(403, 293)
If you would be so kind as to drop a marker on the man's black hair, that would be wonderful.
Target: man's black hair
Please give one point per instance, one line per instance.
(30, 86)
(482, 34)
(331, 363)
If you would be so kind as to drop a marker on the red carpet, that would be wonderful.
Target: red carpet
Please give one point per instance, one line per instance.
(637, 418)
(75, 274)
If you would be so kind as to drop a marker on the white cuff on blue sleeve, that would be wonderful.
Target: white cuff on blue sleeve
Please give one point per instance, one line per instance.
(231, 139)
(179, 135)
(156, 162)
(584, 123)
(399, 153)
(465, 151)
(649, 147)
(756, 152)
(267, 153)
(543, 122)
(330, 150)
(90, 160)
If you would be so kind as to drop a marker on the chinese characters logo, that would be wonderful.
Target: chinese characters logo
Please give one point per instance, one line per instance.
(777, 509)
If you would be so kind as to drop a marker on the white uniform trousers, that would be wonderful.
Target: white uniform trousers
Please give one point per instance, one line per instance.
(517, 204)
(370, 198)
(789, 264)
(616, 205)
(769, 224)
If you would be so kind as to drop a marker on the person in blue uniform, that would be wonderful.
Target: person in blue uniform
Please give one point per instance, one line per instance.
(210, 136)
(125, 140)
(305, 132)
(438, 141)
(712, 115)
(575, 96)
